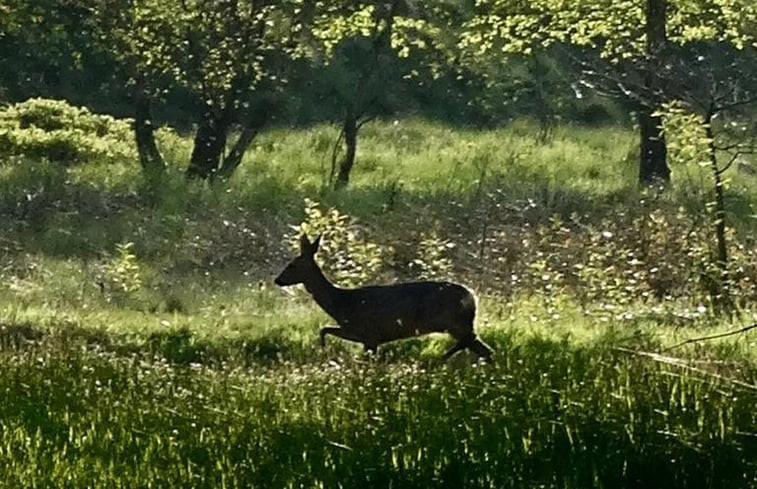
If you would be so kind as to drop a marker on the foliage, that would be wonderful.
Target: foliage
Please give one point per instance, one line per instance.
(346, 254)
(122, 272)
(226, 58)
(360, 49)
(700, 144)
(61, 133)
(688, 143)
(51, 51)
(615, 28)
(409, 29)
(431, 261)
(28, 188)
(641, 53)
(658, 264)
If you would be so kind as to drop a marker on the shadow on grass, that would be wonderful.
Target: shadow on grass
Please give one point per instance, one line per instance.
(184, 347)
(52, 215)
(178, 346)
(15, 336)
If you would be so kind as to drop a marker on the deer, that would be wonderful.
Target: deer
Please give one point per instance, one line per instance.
(378, 314)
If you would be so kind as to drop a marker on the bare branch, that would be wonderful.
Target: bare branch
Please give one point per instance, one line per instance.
(734, 157)
(712, 337)
(682, 363)
(366, 120)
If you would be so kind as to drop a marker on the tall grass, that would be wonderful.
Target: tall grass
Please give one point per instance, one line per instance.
(205, 375)
(546, 415)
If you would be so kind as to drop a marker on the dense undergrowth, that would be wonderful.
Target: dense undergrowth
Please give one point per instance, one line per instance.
(143, 343)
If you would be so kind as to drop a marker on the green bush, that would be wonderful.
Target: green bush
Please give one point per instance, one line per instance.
(431, 261)
(56, 131)
(347, 256)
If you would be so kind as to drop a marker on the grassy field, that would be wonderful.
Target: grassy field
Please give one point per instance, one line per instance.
(144, 345)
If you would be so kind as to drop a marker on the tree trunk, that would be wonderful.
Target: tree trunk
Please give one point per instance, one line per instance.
(144, 132)
(209, 143)
(539, 73)
(656, 17)
(721, 296)
(653, 167)
(234, 158)
(350, 129)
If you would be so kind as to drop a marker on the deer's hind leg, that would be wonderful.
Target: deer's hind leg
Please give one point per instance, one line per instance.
(339, 333)
(463, 341)
(480, 348)
(456, 348)
(474, 344)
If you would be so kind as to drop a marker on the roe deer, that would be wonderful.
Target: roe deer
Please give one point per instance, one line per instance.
(379, 314)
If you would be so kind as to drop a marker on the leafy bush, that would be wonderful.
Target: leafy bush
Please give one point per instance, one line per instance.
(121, 275)
(56, 131)
(647, 261)
(431, 260)
(347, 256)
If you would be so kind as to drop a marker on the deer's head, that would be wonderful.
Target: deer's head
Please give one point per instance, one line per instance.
(301, 267)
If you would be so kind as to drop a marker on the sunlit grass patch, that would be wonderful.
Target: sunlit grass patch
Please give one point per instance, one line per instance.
(143, 343)
(547, 412)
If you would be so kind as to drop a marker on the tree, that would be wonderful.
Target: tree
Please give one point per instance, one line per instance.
(47, 50)
(361, 46)
(126, 27)
(228, 56)
(230, 49)
(715, 127)
(622, 47)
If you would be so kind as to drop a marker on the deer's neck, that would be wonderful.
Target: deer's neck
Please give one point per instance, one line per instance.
(324, 292)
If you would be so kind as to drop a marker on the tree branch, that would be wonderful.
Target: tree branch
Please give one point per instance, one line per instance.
(712, 337)
(679, 362)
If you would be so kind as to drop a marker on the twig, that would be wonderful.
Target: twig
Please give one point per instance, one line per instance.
(679, 362)
(712, 337)
(366, 120)
(720, 171)
(335, 154)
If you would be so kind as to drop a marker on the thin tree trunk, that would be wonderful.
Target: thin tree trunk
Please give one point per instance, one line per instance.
(361, 106)
(722, 297)
(209, 144)
(350, 129)
(653, 168)
(234, 158)
(144, 132)
(539, 74)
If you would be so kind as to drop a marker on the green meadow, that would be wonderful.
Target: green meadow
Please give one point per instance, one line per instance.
(143, 343)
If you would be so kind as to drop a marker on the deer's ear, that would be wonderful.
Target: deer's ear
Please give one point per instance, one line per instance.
(316, 243)
(305, 246)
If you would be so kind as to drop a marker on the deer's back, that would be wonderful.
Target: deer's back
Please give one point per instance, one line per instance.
(390, 312)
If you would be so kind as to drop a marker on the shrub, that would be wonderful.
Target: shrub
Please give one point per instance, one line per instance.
(347, 256)
(431, 261)
(56, 131)
(28, 189)
(120, 275)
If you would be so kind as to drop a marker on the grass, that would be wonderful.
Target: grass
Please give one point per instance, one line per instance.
(206, 375)
(546, 414)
